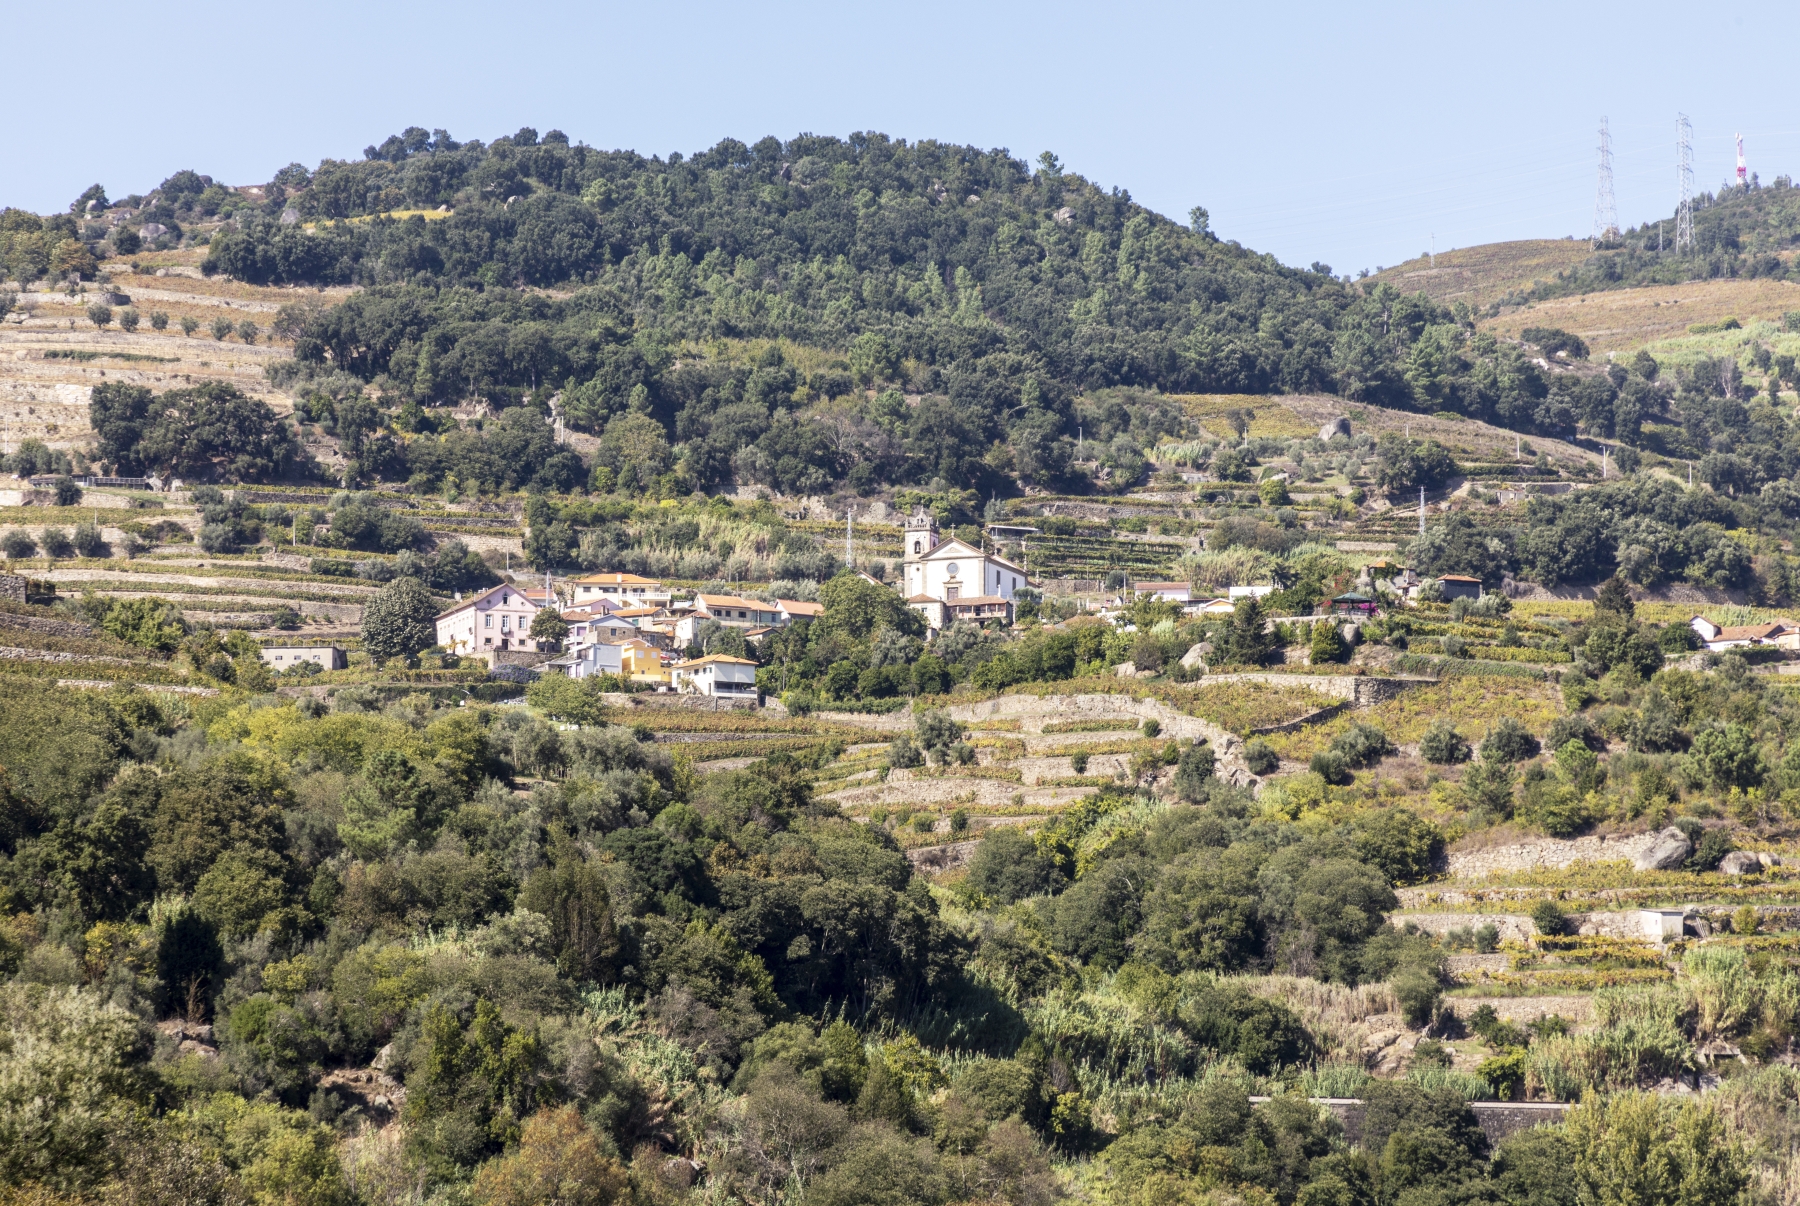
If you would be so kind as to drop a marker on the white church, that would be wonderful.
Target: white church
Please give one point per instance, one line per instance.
(948, 580)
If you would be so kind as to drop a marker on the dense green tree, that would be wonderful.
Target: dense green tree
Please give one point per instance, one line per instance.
(208, 431)
(400, 621)
(1008, 867)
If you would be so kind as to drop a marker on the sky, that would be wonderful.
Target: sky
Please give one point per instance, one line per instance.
(1354, 136)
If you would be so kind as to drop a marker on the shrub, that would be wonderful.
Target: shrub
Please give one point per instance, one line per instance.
(159, 320)
(1078, 763)
(100, 314)
(1330, 766)
(1418, 992)
(1260, 757)
(1327, 645)
(1152, 728)
(189, 324)
(221, 328)
(1713, 846)
(218, 538)
(903, 753)
(1361, 744)
(1549, 918)
(67, 492)
(1443, 745)
(1193, 772)
(18, 544)
(88, 541)
(1508, 741)
(55, 543)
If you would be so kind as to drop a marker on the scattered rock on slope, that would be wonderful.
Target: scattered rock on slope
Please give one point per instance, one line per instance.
(1669, 850)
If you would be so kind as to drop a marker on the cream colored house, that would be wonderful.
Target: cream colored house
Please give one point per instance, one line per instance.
(497, 618)
(626, 590)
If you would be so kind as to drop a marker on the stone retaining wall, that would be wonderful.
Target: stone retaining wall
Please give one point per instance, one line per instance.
(1360, 690)
(1546, 853)
(687, 703)
(1294, 726)
(43, 625)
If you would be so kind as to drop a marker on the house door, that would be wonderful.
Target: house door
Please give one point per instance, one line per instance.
(952, 593)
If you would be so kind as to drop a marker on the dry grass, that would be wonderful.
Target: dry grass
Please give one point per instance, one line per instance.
(1467, 439)
(1268, 416)
(1242, 706)
(1341, 1018)
(1472, 703)
(1625, 319)
(1483, 275)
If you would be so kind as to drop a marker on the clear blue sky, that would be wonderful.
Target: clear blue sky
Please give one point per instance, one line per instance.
(1348, 134)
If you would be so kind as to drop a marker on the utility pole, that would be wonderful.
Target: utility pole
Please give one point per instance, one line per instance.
(1684, 185)
(1606, 213)
(1421, 510)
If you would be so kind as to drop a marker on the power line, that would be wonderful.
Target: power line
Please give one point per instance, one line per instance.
(1684, 184)
(1606, 213)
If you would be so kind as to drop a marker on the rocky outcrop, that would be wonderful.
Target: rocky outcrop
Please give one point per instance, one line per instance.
(1666, 850)
(1748, 862)
(947, 857)
(190, 1038)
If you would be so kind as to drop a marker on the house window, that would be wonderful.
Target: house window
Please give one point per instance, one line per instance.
(487, 621)
(915, 548)
(505, 623)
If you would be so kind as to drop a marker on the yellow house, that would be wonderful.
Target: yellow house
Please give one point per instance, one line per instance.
(640, 660)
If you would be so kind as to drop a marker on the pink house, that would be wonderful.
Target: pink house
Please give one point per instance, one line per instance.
(498, 618)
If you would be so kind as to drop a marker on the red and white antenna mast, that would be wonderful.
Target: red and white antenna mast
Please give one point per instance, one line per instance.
(1743, 180)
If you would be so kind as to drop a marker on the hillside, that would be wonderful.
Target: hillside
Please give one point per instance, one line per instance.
(1115, 902)
(1482, 276)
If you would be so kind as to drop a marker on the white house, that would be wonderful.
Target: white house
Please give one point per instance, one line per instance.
(1780, 633)
(716, 674)
(1248, 592)
(497, 618)
(622, 589)
(286, 657)
(949, 570)
(1168, 592)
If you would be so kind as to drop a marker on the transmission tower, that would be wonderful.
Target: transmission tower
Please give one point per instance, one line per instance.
(1684, 185)
(1606, 214)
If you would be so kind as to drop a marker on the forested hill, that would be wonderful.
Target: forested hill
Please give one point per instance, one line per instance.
(947, 269)
(952, 254)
